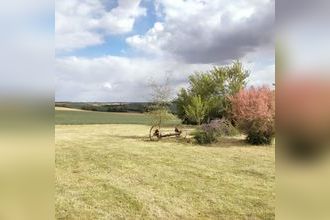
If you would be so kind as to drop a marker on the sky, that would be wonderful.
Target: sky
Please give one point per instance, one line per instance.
(108, 50)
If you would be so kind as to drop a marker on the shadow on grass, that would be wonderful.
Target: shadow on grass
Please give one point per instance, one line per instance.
(230, 142)
(223, 142)
(235, 141)
(136, 137)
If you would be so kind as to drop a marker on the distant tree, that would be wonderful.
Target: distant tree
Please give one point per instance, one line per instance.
(196, 110)
(216, 86)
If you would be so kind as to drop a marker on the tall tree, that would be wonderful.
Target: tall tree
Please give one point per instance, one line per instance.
(214, 86)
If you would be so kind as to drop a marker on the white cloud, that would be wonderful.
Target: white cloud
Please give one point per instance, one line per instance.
(200, 31)
(152, 41)
(113, 78)
(107, 85)
(263, 75)
(81, 23)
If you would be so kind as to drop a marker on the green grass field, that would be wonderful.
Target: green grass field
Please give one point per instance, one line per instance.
(90, 117)
(112, 171)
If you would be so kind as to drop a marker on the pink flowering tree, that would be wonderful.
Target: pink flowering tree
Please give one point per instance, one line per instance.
(253, 109)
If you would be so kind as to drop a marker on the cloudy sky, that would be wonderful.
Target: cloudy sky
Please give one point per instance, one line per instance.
(108, 50)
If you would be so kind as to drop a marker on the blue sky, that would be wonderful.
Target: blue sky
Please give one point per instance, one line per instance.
(108, 50)
(116, 44)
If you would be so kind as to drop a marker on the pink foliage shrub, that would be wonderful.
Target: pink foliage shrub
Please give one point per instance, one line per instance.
(253, 110)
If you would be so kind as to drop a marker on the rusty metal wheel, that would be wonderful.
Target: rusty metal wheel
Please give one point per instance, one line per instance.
(154, 133)
(183, 132)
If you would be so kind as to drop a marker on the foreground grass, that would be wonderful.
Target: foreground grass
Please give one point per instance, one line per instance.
(114, 172)
(72, 117)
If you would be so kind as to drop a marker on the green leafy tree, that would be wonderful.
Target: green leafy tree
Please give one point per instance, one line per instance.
(217, 86)
(196, 110)
(181, 101)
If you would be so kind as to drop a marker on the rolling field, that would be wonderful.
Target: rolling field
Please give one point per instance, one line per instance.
(112, 171)
(72, 116)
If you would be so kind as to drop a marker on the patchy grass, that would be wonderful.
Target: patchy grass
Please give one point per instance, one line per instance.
(64, 116)
(67, 109)
(114, 172)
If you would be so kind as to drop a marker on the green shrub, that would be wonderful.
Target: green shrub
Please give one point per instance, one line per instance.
(203, 137)
(259, 138)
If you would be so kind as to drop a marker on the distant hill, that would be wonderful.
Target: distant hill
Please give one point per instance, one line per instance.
(140, 107)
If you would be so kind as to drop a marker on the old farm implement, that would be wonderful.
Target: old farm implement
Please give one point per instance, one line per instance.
(156, 133)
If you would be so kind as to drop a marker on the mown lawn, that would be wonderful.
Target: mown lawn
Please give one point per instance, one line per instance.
(115, 172)
(90, 117)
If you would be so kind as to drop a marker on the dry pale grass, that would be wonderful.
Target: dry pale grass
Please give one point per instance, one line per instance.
(115, 172)
(67, 109)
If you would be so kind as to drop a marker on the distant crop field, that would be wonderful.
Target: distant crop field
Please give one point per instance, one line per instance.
(115, 172)
(68, 116)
